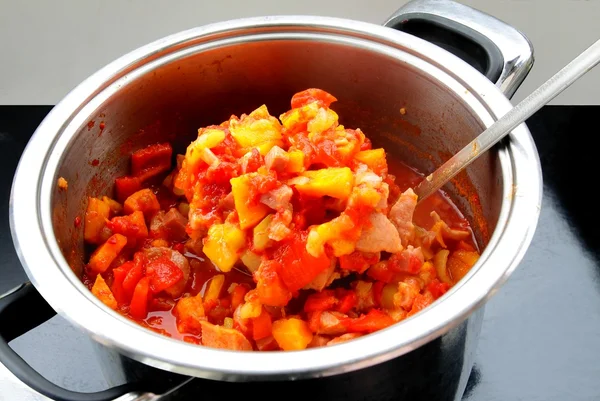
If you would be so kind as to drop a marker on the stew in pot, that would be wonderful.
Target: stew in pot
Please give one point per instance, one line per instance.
(273, 234)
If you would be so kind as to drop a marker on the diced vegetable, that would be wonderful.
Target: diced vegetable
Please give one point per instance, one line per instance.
(372, 321)
(249, 213)
(119, 274)
(437, 288)
(257, 130)
(387, 296)
(460, 262)
(237, 295)
(348, 301)
(103, 293)
(151, 161)
(163, 274)
(144, 201)
(115, 207)
(297, 119)
(127, 186)
(104, 255)
(131, 226)
(336, 182)
(320, 301)
(251, 260)
(292, 334)
(440, 261)
(96, 214)
(271, 289)
(223, 245)
(133, 276)
(214, 288)
(261, 239)
(207, 139)
(323, 120)
(373, 158)
(139, 302)
(296, 161)
(311, 95)
(358, 261)
(299, 267)
(334, 233)
(261, 325)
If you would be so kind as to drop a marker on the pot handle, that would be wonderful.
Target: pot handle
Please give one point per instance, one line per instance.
(14, 323)
(499, 51)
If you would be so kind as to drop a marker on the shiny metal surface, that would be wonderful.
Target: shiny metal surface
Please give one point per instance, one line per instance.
(560, 81)
(515, 48)
(178, 83)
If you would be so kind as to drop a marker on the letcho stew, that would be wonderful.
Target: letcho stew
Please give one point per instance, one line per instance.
(273, 234)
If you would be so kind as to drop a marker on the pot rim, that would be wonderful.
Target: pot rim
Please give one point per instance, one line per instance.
(38, 250)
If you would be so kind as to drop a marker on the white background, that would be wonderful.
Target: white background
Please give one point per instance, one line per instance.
(48, 47)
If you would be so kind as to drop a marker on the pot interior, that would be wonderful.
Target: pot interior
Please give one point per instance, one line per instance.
(170, 99)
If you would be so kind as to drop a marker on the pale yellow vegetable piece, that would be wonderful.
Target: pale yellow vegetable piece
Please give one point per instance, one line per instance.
(336, 182)
(257, 130)
(223, 245)
(261, 233)
(249, 214)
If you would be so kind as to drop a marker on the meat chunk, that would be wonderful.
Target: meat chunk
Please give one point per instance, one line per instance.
(380, 236)
(174, 223)
(276, 159)
(401, 215)
(277, 198)
(221, 337)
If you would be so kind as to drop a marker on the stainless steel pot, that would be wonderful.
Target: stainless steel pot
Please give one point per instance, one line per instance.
(167, 89)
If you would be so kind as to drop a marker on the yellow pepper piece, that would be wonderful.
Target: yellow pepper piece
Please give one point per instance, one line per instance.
(251, 260)
(373, 158)
(214, 288)
(322, 121)
(257, 130)
(207, 139)
(292, 334)
(336, 182)
(115, 207)
(331, 232)
(103, 293)
(223, 245)
(104, 255)
(261, 233)
(296, 162)
(249, 214)
(96, 214)
(299, 116)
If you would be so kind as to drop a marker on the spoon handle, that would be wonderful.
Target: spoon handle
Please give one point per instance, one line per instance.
(515, 116)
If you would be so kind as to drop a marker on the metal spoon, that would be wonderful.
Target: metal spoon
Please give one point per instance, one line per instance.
(517, 115)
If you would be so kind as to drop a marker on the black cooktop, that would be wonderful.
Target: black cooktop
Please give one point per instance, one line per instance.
(541, 333)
